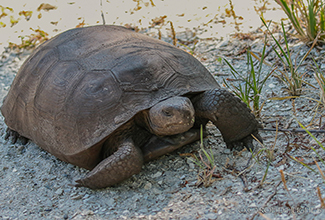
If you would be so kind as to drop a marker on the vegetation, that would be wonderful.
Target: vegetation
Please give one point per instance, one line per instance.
(290, 75)
(207, 165)
(307, 19)
(250, 91)
(319, 76)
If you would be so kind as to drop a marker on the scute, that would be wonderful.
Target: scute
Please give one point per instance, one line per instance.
(80, 86)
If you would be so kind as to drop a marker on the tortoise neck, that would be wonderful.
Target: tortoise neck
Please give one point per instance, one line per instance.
(142, 120)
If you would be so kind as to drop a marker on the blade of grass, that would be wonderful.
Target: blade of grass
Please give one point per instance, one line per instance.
(311, 135)
(312, 20)
(277, 43)
(302, 163)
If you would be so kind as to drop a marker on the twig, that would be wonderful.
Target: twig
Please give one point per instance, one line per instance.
(173, 33)
(244, 180)
(102, 14)
(292, 130)
(294, 107)
(245, 170)
(267, 200)
(320, 198)
(320, 170)
(264, 216)
(286, 188)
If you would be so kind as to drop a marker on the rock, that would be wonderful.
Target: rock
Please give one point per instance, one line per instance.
(76, 197)
(190, 163)
(156, 175)
(59, 191)
(147, 186)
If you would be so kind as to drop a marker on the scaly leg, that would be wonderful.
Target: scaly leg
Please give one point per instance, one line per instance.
(231, 116)
(121, 165)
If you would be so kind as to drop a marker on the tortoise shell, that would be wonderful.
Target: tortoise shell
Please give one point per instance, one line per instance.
(78, 87)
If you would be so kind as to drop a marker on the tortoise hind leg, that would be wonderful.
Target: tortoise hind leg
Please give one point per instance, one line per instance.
(122, 164)
(14, 136)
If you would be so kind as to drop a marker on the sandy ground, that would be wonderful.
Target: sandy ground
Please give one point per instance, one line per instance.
(36, 185)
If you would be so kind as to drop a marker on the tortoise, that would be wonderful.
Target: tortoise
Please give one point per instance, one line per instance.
(108, 99)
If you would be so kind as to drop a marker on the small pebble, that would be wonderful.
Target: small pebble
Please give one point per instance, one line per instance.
(156, 175)
(147, 186)
(59, 191)
(76, 197)
(252, 205)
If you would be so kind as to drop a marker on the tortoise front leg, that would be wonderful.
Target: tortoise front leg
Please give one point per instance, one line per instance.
(231, 116)
(119, 166)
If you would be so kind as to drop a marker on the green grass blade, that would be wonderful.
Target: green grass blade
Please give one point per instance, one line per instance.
(291, 15)
(197, 162)
(302, 163)
(278, 44)
(212, 157)
(288, 58)
(322, 19)
(311, 22)
(263, 55)
(265, 174)
(208, 157)
(311, 135)
(231, 67)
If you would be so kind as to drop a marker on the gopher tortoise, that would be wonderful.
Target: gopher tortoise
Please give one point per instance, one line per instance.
(108, 99)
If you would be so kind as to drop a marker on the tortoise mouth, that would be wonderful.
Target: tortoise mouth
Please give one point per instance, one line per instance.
(170, 129)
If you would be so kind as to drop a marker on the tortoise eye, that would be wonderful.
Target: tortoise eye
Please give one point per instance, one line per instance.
(166, 113)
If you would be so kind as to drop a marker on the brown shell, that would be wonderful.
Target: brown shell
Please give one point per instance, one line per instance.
(77, 88)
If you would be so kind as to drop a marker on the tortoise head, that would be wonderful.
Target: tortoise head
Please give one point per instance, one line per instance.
(172, 116)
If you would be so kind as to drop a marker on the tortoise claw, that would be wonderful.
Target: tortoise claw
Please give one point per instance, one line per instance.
(245, 142)
(7, 134)
(258, 137)
(14, 136)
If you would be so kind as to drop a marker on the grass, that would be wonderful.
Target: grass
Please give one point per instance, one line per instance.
(207, 164)
(320, 172)
(317, 154)
(290, 75)
(250, 90)
(307, 19)
(319, 76)
(269, 155)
